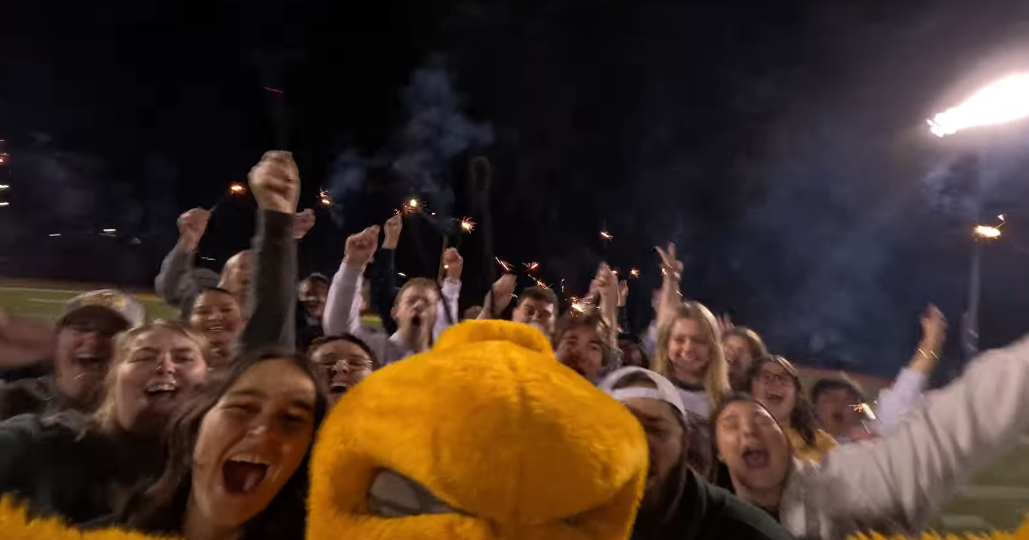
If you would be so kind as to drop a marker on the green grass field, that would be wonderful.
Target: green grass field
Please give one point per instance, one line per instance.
(997, 498)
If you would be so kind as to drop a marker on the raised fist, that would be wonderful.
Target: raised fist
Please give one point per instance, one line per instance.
(453, 262)
(503, 292)
(275, 182)
(392, 231)
(192, 225)
(606, 283)
(934, 326)
(361, 247)
(302, 222)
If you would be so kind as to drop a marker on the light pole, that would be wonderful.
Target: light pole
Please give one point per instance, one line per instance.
(1004, 101)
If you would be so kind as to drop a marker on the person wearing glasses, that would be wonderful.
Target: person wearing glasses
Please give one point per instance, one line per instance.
(343, 361)
(775, 383)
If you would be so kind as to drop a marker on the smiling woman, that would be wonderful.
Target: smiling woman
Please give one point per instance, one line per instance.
(80, 467)
(237, 456)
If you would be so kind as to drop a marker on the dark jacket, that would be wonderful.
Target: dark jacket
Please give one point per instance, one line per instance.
(703, 511)
(61, 465)
(31, 396)
(273, 285)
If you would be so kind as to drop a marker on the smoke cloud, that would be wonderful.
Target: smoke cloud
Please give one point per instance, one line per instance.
(420, 153)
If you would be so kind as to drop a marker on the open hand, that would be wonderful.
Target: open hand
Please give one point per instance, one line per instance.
(623, 292)
(671, 267)
(275, 182)
(361, 247)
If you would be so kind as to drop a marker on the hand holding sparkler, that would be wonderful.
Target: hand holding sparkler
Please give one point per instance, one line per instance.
(302, 223)
(671, 268)
(934, 330)
(503, 293)
(192, 225)
(623, 292)
(275, 182)
(361, 247)
(453, 264)
(392, 230)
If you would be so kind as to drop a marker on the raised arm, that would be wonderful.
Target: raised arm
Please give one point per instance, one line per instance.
(175, 282)
(342, 307)
(908, 391)
(275, 182)
(962, 428)
(671, 272)
(384, 273)
(447, 309)
(498, 297)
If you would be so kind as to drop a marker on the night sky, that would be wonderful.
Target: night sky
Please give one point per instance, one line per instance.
(782, 145)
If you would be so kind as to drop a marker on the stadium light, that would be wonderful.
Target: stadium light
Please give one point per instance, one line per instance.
(1004, 101)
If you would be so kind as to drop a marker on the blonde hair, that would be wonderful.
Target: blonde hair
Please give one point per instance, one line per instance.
(106, 414)
(716, 376)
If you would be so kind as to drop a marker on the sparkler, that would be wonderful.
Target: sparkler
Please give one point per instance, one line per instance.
(324, 197)
(540, 284)
(503, 264)
(531, 266)
(467, 225)
(985, 231)
(54, 235)
(635, 272)
(606, 235)
(4, 187)
(235, 189)
(1001, 102)
(4, 204)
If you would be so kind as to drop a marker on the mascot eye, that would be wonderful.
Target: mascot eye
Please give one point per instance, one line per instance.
(395, 495)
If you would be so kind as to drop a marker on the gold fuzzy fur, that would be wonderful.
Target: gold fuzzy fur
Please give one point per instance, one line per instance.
(493, 425)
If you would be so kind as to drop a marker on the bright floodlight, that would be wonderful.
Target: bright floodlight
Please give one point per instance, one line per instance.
(1003, 101)
(985, 231)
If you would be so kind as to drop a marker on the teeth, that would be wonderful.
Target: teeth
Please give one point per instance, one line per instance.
(249, 458)
(161, 387)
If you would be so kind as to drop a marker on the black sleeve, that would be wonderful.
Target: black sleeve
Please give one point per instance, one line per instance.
(19, 439)
(272, 294)
(384, 286)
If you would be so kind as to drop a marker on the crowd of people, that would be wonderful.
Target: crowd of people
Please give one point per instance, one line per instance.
(203, 427)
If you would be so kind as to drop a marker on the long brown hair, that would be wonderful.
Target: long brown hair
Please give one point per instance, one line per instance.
(802, 417)
(716, 378)
(106, 417)
(161, 508)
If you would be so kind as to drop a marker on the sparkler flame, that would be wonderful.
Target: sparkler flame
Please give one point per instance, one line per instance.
(985, 231)
(4, 187)
(5, 203)
(411, 206)
(110, 231)
(606, 235)
(324, 197)
(1001, 102)
(635, 272)
(503, 264)
(467, 225)
(531, 266)
(540, 284)
(237, 189)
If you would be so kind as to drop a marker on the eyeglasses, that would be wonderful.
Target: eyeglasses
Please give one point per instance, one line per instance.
(352, 361)
(768, 377)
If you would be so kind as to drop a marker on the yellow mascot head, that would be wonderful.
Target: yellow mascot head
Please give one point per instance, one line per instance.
(486, 437)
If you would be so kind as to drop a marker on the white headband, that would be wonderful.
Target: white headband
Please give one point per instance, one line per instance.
(638, 392)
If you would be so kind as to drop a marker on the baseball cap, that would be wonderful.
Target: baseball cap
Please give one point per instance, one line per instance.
(106, 302)
(665, 390)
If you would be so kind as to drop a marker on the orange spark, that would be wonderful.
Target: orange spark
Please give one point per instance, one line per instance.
(634, 272)
(531, 266)
(503, 264)
(324, 197)
(467, 225)
(236, 188)
(606, 235)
